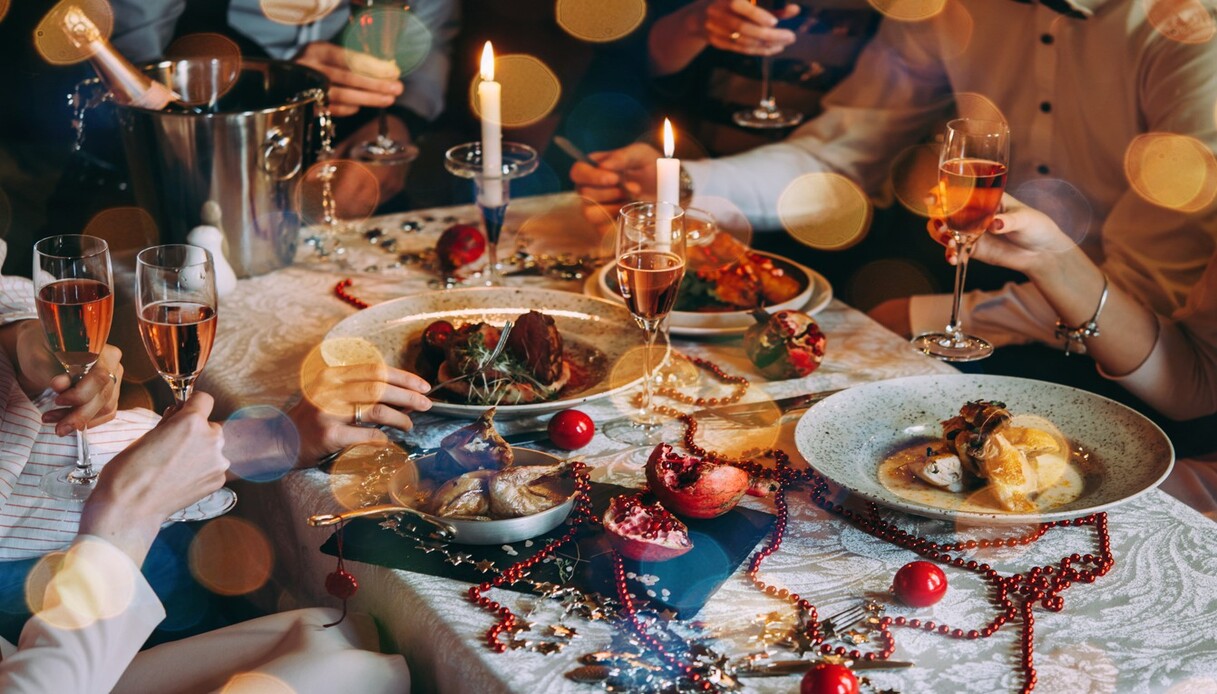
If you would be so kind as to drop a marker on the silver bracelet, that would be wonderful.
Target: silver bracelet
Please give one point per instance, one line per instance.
(1076, 336)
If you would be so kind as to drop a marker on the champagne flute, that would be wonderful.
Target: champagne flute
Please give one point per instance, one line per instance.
(650, 265)
(767, 115)
(378, 26)
(175, 294)
(74, 283)
(971, 179)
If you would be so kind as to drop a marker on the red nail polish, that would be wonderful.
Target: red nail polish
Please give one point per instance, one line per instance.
(998, 225)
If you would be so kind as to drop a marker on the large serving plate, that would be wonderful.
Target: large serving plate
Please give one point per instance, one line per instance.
(815, 293)
(607, 326)
(846, 436)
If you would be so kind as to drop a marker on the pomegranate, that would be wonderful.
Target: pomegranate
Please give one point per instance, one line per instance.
(645, 532)
(787, 344)
(435, 336)
(693, 487)
(459, 245)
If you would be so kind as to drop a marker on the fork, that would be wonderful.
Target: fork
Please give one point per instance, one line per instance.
(835, 625)
(498, 349)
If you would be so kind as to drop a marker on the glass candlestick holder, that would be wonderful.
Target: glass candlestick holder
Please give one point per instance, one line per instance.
(493, 191)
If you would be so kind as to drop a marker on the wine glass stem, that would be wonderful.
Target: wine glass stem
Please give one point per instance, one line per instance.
(83, 473)
(964, 247)
(492, 263)
(767, 102)
(650, 330)
(383, 127)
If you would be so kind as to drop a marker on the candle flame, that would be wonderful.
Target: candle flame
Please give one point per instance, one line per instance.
(488, 63)
(669, 140)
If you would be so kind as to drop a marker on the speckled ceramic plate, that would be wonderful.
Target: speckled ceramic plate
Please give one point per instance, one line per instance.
(603, 325)
(814, 295)
(846, 436)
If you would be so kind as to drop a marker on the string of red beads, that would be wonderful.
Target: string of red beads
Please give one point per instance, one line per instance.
(340, 290)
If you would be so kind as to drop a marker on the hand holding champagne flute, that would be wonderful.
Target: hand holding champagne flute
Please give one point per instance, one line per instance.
(73, 281)
(971, 179)
(650, 266)
(176, 299)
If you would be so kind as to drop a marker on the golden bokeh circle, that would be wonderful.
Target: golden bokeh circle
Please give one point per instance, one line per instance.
(123, 228)
(915, 177)
(231, 556)
(387, 33)
(355, 189)
(361, 474)
(888, 278)
(256, 683)
(62, 587)
(350, 351)
(296, 13)
(1173, 171)
(530, 90)
(978, 107)
(825, 211)
(598, 21)
(908, 10)
(52, 42)
(4, 5)
(1183, 21)
(628, 369)
(213, 68)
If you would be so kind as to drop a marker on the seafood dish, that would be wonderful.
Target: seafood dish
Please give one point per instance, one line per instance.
(1015, 463)
(536, 365)
(725, 275)
(475, 476)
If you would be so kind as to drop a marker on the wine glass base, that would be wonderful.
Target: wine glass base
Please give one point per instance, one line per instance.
(762, 118)
(635, 433)
(952, 347)
(213, 505)
(66, 484)
(390, 152)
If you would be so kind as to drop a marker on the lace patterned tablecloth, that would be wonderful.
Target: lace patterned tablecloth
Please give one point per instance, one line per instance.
(1145, 627)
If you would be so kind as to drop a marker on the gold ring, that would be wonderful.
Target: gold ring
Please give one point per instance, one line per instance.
(734, 36)
(358, 415)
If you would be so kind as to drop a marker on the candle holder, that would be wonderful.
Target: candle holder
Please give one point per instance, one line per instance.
(493, 192)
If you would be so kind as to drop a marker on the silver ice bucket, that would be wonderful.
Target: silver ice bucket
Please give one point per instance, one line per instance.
(233, 162)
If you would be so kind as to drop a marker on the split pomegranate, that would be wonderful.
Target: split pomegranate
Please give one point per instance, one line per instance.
(436, 335)
(787, 344)
(644, 532)
(693, 487)
(459, 245)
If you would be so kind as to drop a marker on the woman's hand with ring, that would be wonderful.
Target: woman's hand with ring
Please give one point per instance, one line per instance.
(742, 27)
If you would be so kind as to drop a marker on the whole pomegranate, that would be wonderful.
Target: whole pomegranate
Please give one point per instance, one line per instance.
(645, 532)
(693, 487)
(787, 344)
(459, 245)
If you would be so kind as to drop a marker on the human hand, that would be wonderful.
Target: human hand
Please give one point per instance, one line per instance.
(618, 176)
(1020, 238)
(91, 401)
(325, 416)
(742, 27)
(356, 79)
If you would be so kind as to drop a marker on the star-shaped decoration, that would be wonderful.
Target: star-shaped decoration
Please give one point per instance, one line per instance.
(562, 631)
(874, 607)
(520, 625)
(457, 559)
(484, 566)
(667, 615)
(548, 647)
(516, 644)
(548, 590)
(856, 637)
(426, 548)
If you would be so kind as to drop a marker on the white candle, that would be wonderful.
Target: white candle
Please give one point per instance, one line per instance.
(667, 181)
(490, 99)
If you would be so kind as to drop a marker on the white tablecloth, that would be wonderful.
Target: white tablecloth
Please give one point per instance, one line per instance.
(1145, 627)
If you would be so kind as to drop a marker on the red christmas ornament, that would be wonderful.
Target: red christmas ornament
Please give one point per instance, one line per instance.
(459, 245)
(341, 584)
(829, 678)
(919, 584)
(571, 430)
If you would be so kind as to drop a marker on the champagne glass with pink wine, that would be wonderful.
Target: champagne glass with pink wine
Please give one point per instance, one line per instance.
(650, 265)
(971, 179)
(378, 27)
(175, 294)
(73, 286)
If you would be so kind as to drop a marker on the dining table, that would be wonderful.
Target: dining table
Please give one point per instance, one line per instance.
(1146, 626)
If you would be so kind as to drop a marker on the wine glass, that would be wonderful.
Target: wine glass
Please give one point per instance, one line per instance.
(971, 179)
(767, 115)
(175, 294)
(378, 26)
(74, 283)
(650, 265)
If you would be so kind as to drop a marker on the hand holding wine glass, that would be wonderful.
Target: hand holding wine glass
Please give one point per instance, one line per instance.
(73, 289)
(378, 27)
(766, 115)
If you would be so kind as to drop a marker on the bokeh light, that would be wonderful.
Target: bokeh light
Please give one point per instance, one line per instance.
(1173, 171)
(915, 177)
(530, 89)
(628, 369)
(564, 231)
(123, 228)
(597, 21)
(728, 216)
(825, 211)
(355, 192)
(231, 556)
(955, 25)
(978, 107)
(1061, 201)
(256, 683)
(4, 5)
(888, 278)
(1184, 21)
(91, 581)
(388, 33)
(264, 439)
(605, 120)
(740, 433)
(212, 66)
(908, 10)
(349, 351)
(51, 38)
(361, 474)
(298, 13)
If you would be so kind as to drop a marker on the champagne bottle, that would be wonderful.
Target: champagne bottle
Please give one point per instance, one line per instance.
(127, 85)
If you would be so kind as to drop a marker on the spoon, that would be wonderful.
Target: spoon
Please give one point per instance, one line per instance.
(498, 349)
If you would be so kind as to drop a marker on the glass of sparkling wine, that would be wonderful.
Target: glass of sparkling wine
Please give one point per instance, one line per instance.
(971, 179)
(650, 266)
(176, 298)
(378, 27)
(73, 288)
(766, 114)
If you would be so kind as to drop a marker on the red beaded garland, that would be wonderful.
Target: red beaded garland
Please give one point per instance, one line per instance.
(340, 290)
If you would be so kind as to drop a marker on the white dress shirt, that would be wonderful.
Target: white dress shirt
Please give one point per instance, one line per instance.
(1076, 92)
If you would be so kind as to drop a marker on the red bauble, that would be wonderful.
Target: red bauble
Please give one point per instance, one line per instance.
(459, 245)
(787, 344)
(829, 678)
(341, 584)
(919, 584)
(571, 429)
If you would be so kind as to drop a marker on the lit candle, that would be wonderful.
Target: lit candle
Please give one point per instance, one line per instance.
(490, 99)
(667, 183)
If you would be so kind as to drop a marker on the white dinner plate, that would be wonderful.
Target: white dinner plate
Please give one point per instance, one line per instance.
(845, 437)
(816, 293)
(604, 325)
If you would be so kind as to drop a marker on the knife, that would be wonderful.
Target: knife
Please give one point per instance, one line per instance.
(785, 406)
(780, 668)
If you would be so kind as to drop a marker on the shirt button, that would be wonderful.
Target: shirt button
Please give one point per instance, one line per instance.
(1046, 107)
(1046, 39)
(1042, 169)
